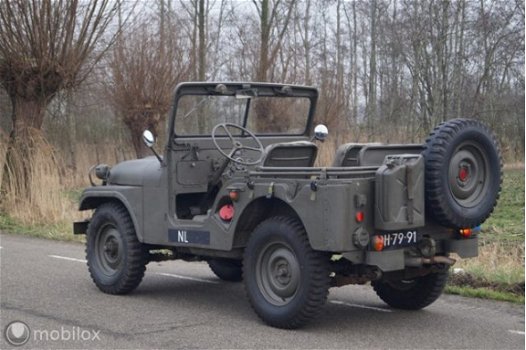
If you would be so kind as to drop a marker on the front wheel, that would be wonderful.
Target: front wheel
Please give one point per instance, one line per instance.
(413, 294)
(116, 258)
(287, 282)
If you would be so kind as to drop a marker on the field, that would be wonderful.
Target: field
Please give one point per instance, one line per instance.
(498, 271)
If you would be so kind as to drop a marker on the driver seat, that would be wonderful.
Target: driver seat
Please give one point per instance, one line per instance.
(290, 154)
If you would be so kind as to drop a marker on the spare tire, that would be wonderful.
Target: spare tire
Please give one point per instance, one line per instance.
(463, 173)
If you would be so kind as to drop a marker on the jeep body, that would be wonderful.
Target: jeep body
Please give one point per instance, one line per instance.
(369, 215)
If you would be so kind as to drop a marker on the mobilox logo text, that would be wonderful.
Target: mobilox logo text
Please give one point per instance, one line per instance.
(18, 333)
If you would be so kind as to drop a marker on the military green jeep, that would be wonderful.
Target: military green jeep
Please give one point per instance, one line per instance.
(237, 186)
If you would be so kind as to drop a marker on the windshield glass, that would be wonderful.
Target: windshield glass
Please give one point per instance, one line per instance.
(198, 114)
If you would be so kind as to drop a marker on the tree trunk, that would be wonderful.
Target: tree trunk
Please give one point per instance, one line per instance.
(71, 137)
(355, 65)
(27, 114)
(264, 42)
(371, 107)
(262, 113)
(26, 135)
(201, 68)
(307, 44)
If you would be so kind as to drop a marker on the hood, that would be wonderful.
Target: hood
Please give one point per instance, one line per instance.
(134, 172)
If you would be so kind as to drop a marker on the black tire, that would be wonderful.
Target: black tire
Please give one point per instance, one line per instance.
(463, 168)
(412, 294)
(227, 269)
(279, 245)
(116, 258)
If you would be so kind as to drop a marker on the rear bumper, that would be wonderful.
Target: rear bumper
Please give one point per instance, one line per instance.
(395, 260)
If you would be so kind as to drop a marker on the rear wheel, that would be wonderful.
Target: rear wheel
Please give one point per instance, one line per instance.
(287, 282)
(227, 269)
(116, 258)
(413, 294)
(463, 173)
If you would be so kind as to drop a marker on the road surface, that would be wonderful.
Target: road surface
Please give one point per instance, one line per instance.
(46, 285)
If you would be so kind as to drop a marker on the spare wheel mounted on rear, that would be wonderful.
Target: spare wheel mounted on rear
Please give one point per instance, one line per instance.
(463, 173)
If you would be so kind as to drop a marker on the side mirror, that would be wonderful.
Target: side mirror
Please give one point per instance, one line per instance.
(148, 138)
(149, 141)
(321, 132)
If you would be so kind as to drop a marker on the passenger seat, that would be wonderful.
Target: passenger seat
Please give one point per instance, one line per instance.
(290, 154)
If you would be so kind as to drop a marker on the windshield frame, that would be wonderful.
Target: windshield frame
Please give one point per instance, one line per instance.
(230, 89)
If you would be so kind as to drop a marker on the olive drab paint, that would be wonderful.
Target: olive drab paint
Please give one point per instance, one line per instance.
(368, 209)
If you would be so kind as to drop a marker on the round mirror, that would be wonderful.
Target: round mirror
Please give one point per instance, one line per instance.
(148, 138)
(321, 132)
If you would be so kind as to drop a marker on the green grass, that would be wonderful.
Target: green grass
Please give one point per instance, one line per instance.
(73, 194)
(500, 263)
(59, 232)
(507, 221)
(485, 293)
(497, 274)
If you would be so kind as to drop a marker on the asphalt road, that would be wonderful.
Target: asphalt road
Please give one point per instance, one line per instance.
(183, 305)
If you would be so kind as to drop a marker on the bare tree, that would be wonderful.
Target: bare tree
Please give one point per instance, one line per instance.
(45, 47)
(143, 80)
(271, 35)
(371, 106)
(274, 18)
(204, 33)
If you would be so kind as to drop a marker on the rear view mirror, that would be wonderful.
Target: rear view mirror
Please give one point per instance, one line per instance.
(321, 132)
(148, 138)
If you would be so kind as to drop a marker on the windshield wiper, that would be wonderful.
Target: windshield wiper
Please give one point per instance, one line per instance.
(195, 107)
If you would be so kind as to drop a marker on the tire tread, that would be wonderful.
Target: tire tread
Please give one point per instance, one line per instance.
(426, 291)
(137, 255)
(320, 279)
(435, 151)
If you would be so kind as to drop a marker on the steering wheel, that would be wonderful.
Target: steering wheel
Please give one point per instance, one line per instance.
(236, 144)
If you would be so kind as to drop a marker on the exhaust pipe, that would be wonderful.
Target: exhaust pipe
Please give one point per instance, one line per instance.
(418, 262)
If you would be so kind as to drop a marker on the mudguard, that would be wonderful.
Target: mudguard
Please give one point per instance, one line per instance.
(129, 196)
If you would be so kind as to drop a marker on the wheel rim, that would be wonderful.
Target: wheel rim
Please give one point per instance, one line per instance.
(109, 250)
(278, 273)
(468, 171)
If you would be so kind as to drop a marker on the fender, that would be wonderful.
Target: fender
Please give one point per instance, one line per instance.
(129, 196)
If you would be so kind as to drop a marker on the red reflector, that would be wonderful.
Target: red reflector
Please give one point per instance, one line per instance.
(463, 174)
(234, 195)
(378, 243)
(359, 216)
(226, 212)
(465, 232)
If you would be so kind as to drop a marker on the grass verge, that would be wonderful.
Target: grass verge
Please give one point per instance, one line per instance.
(498, 272)
(62, 231)
(485, 293)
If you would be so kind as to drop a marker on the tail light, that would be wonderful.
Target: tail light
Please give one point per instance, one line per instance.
(359, 216)
(466, 232)
(378, 243)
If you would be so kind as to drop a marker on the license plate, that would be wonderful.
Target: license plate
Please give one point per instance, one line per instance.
(399, 239)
